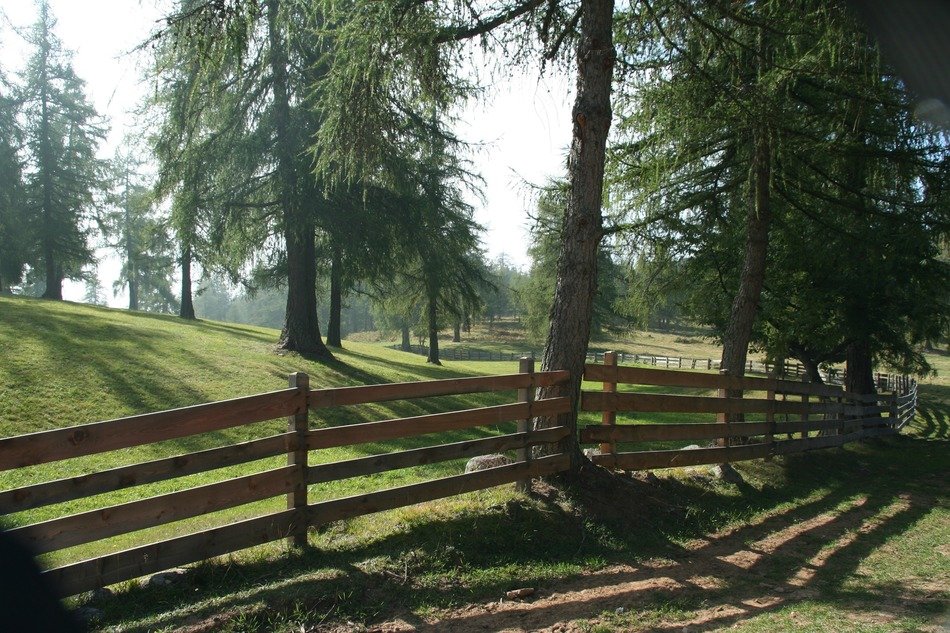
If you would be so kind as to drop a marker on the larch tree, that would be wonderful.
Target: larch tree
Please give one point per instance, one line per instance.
(141, 239)
(13, 255)
(247, 100)
(63, 176)
(764, 236)
(394, 62)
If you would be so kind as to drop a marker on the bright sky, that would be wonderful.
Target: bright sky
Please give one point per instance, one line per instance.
(524, 122)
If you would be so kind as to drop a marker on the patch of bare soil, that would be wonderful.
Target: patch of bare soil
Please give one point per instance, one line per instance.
(726, 577)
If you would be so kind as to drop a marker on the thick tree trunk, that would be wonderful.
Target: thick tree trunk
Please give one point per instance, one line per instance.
(301, 332)
(406, 343)
(334, 335)
(54, 281)
(433, 356)
(735, 344)
(582, 229)
(187, 309)
(860, 368)
(811, 370)
(457, 332)
(133, 290)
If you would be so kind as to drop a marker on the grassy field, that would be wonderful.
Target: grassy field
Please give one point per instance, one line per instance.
(508, 336)
(852, 538)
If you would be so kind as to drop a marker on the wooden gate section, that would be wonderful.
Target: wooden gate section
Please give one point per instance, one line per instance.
(773, 417)
(94, 522)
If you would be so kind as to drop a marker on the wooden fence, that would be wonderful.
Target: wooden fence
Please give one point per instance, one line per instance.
(833, 375)
(292, 480)
(794, 409)
(789, 416)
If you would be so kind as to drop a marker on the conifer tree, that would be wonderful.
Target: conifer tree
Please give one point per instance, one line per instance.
(63, 176)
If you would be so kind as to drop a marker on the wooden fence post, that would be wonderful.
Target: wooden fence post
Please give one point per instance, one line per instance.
(894, 422)
(770, 420)
(804, 420)
(723, 418)
(525, 366)
(609, 418)
(299, 423)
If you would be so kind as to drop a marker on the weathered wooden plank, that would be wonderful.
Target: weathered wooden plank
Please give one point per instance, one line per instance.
(659, 432)
(700, 380)
(98, 524)
(645, 460)
(432, 454)
(70, 488)
(433, 423)
(87, 439)
(651, 402)
(359, 505)
(146, 559)
(340, 396)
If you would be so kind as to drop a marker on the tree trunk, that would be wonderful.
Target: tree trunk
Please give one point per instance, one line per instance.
(467, 323)
(301, 332)
(582, 228)
(334, 336)
(457, 332)
(433, 356)
(860, 368)
(187, 309)
(54, 282)
(811, 370)
(133, 289)
(406, 344)
(735, 344)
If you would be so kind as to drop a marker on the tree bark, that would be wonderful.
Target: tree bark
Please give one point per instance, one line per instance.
(187, 308)
(860, 368)
(301, 331)
(334, 335)
(582, 228)
(54, 282)
(457, 332)
(433, 356)
(735, 344)
(406, 343)
(811, 370)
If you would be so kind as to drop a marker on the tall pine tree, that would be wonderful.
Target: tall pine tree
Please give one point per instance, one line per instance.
(63, 175)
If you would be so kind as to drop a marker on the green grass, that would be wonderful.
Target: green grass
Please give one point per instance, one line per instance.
(874, 515)
(67, 364)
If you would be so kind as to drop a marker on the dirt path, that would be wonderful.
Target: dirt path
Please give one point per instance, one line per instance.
(717, 582)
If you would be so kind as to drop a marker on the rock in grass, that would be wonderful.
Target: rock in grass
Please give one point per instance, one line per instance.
(727, 473)
(168, 577)
(484, 462)
(100, 594)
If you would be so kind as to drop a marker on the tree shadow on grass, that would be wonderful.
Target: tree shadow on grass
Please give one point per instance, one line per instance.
(801, 543)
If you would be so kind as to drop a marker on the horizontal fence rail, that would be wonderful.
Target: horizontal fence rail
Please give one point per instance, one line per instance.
(818, 415)
(790, 416)
(78, 528)
(830, 375)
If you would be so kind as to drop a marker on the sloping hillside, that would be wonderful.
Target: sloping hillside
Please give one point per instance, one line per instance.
(66, 363)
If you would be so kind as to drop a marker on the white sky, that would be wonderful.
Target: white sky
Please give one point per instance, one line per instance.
(523, 122)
